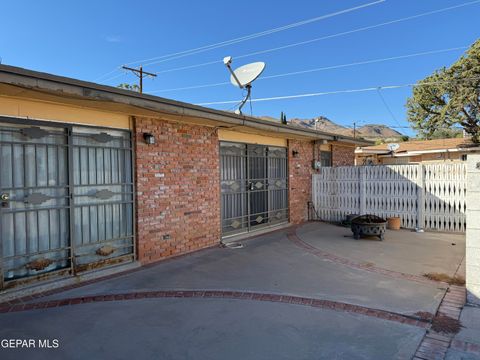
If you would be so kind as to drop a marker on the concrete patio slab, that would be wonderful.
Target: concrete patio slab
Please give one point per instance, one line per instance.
(402, 250)
(207, 329)
(466, 344)
(460, 355)
(470, 319)
(272, 264)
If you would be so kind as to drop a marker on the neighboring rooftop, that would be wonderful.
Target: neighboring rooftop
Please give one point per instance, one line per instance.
(422, 145)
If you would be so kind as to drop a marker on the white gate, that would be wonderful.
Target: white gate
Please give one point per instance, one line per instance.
(424, 196)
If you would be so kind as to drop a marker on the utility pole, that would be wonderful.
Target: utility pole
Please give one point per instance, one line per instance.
(141, 74)
(354, 129)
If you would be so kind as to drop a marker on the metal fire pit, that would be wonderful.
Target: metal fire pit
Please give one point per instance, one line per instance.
(369, 225)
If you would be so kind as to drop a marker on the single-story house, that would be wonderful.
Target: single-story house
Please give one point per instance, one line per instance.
(416, 151)
(95, 177)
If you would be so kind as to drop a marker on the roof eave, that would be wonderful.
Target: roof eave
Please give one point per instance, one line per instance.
(85, 90)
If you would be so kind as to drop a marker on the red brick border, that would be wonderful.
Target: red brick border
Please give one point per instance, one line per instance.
(32, 297)
(293, 237)
(240, 295)
(28, 298)
(435, 345)
(466, 347)
(291, 234)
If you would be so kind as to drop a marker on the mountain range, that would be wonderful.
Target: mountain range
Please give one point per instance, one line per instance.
(371, 132)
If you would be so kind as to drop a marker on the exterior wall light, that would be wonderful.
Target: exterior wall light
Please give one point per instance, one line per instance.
(294, 153)
(149, 138)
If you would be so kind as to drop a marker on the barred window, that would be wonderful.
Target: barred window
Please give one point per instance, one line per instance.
(326, 158)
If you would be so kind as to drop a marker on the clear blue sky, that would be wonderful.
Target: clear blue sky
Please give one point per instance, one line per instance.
(86, 39)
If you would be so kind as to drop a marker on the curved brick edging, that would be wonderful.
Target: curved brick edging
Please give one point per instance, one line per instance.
(35, 296)
(466, 346)
(435, 345)
(239, 295)
(295, 239)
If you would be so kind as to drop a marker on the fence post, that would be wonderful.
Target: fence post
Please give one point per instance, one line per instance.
(363, 188)
(472, 246)
(421, 197)
(314, 199)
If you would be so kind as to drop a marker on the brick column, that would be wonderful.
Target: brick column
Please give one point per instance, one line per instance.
(472, 250)
(300, 179)
(343, 155)
(178, 189)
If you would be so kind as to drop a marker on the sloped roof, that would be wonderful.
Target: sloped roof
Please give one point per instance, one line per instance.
(24, 82)
(424, 145)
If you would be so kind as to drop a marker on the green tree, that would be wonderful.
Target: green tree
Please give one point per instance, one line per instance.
(445, 134)
(449, 98)
(126, 86)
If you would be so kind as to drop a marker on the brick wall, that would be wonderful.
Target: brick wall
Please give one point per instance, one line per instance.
(177, 189)
(343, 155)
(300, 179)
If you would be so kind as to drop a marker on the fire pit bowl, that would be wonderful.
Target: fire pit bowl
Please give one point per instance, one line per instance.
(369, 225)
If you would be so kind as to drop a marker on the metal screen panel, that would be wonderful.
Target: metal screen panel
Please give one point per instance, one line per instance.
(257, 185)
(102, 195)
(277, 185)
(67, 199)
(254, 186)
(233, 183)
(34, 207)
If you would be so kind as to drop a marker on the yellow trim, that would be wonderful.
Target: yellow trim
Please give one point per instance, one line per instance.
(229, 135)
(325, 147)
(55, 112)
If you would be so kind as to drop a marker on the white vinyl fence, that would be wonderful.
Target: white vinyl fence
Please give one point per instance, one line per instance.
(431, 197)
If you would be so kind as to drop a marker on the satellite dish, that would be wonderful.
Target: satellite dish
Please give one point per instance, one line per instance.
(393, 147)
(243, 77)
(247, 74)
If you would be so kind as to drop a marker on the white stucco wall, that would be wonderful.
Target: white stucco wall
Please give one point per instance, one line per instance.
(473, 229)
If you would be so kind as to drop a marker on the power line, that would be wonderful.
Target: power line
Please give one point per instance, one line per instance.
(376, 88)
(189, 52)
(114, 77)
(285, 97)
(191, 87)
(364, 122)
(326, 37)
(108, 73)
(386, 106)
(332, 67)
(311, 40)
(193, 51)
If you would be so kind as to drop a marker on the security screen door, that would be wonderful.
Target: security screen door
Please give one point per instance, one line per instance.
(66, 199)
(254, 186)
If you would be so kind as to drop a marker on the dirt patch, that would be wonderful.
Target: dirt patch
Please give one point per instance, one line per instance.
(38, 264)
(446, 324)
(452, 280)
(105, 250)
(368, 264)
(424, 315)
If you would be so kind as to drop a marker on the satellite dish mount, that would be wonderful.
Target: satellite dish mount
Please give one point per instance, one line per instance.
(243, 77)
(393, 147)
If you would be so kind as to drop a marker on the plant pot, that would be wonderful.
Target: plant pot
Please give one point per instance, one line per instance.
(393, 223)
